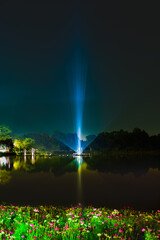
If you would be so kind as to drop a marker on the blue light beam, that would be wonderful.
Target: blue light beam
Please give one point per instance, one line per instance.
(77, 87)
(79, 83)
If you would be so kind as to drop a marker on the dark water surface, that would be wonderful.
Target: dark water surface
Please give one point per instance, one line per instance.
(100, 181)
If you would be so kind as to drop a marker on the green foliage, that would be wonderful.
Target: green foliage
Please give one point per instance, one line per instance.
(26, 143)
(4, 132)
(48, 222)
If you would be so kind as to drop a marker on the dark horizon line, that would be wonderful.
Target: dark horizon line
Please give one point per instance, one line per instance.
(74, 133)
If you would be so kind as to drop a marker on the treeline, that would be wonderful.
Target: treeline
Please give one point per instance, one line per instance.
(45, 142)
(41, 142)
(137, 140)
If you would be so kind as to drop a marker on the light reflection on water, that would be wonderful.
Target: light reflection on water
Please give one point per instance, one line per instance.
(67, 180)
(79, 159)
(4, 161)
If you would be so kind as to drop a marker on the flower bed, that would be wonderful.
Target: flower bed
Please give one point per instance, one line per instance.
(49, 222)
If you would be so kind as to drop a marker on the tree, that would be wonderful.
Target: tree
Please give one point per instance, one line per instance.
(5, 132)
(26, 143)
(18, 144)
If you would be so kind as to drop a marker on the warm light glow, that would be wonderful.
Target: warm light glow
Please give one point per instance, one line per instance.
(79, 189)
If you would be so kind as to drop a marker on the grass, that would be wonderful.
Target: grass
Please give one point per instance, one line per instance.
(49, 222)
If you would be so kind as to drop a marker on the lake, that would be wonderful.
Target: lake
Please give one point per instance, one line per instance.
(99, 181)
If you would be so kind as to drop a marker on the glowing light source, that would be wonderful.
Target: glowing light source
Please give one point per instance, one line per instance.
(78, 86)
(79, 98)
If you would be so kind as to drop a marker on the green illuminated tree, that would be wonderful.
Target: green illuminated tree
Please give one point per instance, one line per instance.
(26, 143)
(18, 144)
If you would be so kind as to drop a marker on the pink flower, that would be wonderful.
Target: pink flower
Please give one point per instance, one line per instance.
(56, 229)
(22, 236)
(81, 222)
(120, 230)
(36, 210)
(143, 229)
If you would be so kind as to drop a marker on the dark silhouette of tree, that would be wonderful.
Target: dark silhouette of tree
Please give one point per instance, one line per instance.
(137, 140)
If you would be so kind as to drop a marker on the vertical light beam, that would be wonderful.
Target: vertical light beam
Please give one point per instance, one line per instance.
(79, 86)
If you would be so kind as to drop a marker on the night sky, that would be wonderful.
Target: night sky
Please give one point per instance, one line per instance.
(116, 42)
